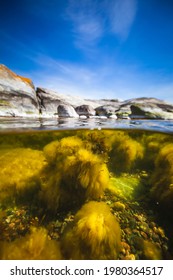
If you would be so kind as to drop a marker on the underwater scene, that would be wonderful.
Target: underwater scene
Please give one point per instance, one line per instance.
(82, 194)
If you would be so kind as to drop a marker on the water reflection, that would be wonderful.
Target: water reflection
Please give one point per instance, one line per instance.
(92, 123)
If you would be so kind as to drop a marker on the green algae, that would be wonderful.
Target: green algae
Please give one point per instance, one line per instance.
(127, 187)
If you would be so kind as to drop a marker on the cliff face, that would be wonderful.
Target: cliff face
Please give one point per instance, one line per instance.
(49, 101)
(17, 95)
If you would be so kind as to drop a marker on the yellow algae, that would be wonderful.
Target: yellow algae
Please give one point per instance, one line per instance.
(20, 173)
(153, 143)
(84, 175)
(96, 234)
(66, 146)
(74, 179)
(35, 245)
(61, 171)
(118, 206)
(49, 194)
(162, 179)
(124, 153)
(151, 251)
(99, 142)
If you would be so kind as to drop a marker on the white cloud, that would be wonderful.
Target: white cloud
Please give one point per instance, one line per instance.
(95, 81)
(92, 19)
(122, 15)
(87, 23)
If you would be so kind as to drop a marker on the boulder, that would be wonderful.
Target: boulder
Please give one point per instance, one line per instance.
(85, 110)
(67, 111)
(47, 97)
(19, 98)
(145, 108)
(152, 111)
(48, 102)
(17, 95)
(106, 110)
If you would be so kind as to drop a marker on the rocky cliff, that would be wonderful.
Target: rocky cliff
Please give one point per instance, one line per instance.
(18, 97)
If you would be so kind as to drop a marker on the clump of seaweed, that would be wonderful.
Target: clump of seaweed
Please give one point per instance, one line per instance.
(125, 153)
(95, 234)
(99, 142)
(152, 144)
(35, 245)
(20, 170)
(162, 179)
(117, 148)
(57, 154)
(66, 146)
(85, 171)
(151, 251)
(77, 175)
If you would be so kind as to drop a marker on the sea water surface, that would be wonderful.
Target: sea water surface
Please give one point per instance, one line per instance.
(90, 123)
(86, 189)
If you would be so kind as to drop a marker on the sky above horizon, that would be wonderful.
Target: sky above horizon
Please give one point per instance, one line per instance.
(91, 48)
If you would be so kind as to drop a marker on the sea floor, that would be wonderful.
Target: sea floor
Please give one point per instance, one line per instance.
(145, 232)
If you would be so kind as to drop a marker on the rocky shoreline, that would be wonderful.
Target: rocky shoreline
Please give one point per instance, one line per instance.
(20, 98)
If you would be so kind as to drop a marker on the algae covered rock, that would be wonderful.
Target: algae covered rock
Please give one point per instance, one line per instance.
(126, 187)
(125, 153)
(153, 143)
(118, 206)
(35, 245)
(56, 153)
(73, 175)
(95, 234)
(86, 173)
(20, 173)
(99, 142)
(77, 168)
(151, 251)
(66, 146)
(162, 179)
(117, 148)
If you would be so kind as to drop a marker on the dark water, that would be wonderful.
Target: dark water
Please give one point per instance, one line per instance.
(101, 189)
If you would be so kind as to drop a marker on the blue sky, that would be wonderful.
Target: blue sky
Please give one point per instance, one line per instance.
(91, 48)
